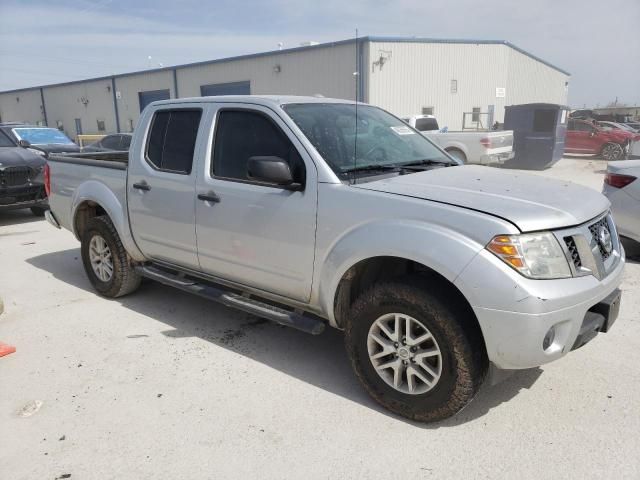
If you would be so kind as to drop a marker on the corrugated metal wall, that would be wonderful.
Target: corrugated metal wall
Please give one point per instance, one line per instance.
(324, 70)
(417, 75)
(530, 81)
(22, 106)
(129, 87)
(411, 76)
(89, 101)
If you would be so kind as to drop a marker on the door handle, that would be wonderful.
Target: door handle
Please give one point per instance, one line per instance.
(209, 197)
(141, 186)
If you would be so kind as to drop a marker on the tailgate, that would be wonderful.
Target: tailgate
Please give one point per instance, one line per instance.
(499, 142)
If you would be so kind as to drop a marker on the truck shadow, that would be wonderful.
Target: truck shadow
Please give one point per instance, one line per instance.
(318, 360)
(16, 217)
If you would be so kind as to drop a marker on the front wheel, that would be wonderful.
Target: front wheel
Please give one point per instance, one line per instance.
(612, 151)
(410, 351)
(106, 261)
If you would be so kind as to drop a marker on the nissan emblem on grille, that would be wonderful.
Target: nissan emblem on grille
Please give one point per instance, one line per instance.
(604, 238)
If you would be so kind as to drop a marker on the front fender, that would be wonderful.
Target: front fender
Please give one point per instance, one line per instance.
(438, 248)
(100, 194)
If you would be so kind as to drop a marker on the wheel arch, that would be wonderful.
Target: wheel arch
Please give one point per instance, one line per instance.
(414, 245)
(92, 199)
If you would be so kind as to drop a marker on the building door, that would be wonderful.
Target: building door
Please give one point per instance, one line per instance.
(233, 88)
(152, 96)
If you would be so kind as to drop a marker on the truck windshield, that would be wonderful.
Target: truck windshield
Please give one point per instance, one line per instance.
(42, 136)
(383, 140)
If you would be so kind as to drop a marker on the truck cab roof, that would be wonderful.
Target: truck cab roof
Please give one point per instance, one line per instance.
(265, 100)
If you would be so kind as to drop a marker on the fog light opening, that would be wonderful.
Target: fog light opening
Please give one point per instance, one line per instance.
(549, 338)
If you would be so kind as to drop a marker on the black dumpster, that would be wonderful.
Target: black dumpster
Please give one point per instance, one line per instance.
(538, 134)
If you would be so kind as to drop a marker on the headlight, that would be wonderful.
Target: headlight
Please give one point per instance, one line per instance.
(534, 255)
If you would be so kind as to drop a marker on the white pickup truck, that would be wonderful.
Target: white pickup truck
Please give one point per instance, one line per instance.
(473, 147)
(301, 211)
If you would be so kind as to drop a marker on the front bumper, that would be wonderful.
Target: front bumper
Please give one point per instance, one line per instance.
(26, 196)
(515, 314)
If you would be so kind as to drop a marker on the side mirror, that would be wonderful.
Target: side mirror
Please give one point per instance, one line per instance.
(24, 143)
(272, 170)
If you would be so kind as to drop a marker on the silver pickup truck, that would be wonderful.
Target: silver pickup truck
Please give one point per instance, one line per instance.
(312, 211)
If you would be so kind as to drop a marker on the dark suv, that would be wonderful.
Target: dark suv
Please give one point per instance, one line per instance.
(21, 177)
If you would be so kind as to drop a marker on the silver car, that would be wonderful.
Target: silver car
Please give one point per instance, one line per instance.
(622, 187)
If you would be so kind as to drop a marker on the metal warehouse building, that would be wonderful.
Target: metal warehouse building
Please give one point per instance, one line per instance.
(403, 75)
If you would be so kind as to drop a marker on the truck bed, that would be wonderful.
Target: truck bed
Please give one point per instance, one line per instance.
(96, 170)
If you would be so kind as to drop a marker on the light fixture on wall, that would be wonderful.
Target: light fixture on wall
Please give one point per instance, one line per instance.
(277, 69)
(84, 101)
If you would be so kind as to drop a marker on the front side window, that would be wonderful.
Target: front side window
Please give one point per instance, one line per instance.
(381, 138)
(242, 134)
(42, 136)
(172, 140)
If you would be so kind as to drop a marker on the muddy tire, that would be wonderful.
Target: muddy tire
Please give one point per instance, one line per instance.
(612, 151)
(429, 380)
(105, 260)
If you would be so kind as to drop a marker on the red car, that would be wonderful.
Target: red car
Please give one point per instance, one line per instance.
(585, 137)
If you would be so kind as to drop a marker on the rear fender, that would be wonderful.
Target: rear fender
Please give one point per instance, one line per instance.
(99, 193)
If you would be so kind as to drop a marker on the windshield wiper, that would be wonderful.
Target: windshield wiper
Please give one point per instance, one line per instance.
(369, 168)
(427, 161)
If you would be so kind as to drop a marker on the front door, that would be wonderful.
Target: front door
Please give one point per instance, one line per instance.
(258, 235)
(581, 137)
(161, 187)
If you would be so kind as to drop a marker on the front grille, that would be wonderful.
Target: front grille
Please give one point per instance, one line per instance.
(14, 176)
(595, 229)
(573, 251)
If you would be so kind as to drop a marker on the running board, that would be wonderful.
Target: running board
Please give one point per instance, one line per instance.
(279, 315)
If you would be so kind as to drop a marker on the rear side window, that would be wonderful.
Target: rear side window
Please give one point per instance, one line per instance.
(425, 124)
(241, 135)
(112, 142)
(172, 140)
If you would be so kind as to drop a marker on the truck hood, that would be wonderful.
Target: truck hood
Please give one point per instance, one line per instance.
(531, 202)
(19, 157)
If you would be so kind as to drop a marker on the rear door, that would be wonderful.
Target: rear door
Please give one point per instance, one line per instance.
(254, 234)
(161, 185)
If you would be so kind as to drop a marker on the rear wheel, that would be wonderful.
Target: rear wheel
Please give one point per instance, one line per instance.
(410, 351)
(106, 261)
(612, 151)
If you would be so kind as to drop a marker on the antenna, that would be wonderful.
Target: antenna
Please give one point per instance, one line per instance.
(355, 142)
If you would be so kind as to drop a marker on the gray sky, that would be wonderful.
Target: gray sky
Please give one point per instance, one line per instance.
(598, 42)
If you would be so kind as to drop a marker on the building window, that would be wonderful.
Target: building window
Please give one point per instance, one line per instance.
(131, 124)
(454, 86)
(427, 110)
(172, 140)
(475, 115)
(101, 125)
(78, 126)
(59, 125)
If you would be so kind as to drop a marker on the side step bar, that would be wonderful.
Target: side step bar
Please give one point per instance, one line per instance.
(295, 320)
